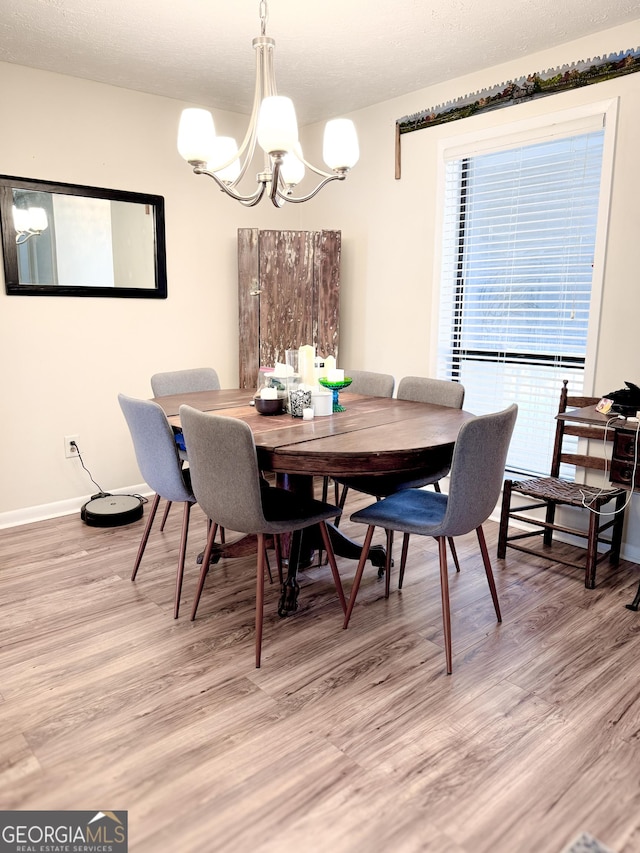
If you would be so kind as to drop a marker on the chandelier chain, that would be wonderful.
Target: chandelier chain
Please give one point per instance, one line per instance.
(264, 17)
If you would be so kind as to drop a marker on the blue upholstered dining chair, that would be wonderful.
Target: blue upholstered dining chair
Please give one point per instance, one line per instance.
(477, 471)
(227, 483)
(417, 389)
(161, 467)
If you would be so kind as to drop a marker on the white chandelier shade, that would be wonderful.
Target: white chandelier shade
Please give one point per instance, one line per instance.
(272, 126)
(340, 148)
(277, 125)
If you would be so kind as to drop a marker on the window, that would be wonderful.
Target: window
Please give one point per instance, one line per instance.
(519, 240)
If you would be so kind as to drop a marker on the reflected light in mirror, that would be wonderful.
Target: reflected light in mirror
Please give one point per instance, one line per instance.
(29, 222)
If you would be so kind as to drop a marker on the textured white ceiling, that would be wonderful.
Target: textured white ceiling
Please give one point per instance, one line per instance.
(331, 57)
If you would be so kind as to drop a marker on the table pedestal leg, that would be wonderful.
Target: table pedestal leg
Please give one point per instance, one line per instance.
(288, 602)
(636, 601)
(301, 546)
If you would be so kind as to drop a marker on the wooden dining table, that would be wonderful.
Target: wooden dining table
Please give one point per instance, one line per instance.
(372, 436)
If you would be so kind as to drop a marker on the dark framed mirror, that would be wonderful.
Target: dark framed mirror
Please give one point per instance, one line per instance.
(72, 240)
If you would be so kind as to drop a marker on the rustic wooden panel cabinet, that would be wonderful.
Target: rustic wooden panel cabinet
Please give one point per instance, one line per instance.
(288, 295)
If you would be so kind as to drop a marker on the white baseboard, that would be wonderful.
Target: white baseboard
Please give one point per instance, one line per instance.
(29, 514)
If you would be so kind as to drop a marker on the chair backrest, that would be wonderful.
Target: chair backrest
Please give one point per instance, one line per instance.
(155, 447)
(370, 383)
(564, 428)
(224, 469)
(440, 392)
(184, 381)
(477, 470)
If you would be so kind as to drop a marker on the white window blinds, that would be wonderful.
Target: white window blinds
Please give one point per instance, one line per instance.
(518, 250)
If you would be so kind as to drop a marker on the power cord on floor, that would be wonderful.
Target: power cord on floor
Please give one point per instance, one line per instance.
(101, 493)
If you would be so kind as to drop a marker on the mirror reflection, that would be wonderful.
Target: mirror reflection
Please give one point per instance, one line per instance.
(61, 239)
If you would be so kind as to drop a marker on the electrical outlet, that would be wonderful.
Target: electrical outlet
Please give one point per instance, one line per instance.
(70, 451)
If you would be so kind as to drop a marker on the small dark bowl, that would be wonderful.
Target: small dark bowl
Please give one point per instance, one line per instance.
(269, 407)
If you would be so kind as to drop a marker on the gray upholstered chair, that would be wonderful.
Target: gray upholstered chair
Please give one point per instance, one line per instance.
(161, 467)
(477, 470)
(418, 389)
(183, 382)
(372, 385)
(227, 483)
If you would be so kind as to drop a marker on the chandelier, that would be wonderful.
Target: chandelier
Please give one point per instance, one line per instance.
(272, 126)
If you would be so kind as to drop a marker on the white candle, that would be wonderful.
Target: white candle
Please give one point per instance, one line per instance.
(329, 364)
(268, 393)
(306, 356)
(307, 414)
(335, 375)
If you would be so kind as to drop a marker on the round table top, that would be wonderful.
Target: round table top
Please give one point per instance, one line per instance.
(374, 435)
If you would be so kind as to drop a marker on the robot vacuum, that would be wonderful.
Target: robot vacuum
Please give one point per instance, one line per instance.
(111, 510)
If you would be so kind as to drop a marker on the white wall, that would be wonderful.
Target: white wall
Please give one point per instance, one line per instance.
(389, 226)
(64, 360)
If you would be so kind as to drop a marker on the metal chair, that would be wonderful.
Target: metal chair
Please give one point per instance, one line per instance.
(228, 486)
(161, 467)
(477, 470)
(551, 492)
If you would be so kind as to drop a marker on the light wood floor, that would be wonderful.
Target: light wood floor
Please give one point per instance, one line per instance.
(345, 740)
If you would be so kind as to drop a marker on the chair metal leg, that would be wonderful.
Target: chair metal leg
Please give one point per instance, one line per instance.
(165, 515)
(206, 558)
(388, 562)
(217, 527)
(332, 562)
(181, 559)
(444, 592)
(145, 535)
(340, 501)
(403, 558)
(488, 570)
(454, 553)
(259, 597)
(356, 581)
